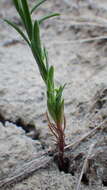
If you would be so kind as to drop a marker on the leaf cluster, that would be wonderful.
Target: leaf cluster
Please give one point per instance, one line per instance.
(55, 102)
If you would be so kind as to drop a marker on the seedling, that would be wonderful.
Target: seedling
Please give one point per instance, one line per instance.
(55, 102)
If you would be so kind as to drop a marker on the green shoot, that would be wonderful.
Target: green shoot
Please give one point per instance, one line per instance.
(55, 102)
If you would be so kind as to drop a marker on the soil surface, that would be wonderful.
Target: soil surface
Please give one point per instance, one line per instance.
(77, 46)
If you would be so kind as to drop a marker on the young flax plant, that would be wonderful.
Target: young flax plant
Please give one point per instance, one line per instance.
(55, 102)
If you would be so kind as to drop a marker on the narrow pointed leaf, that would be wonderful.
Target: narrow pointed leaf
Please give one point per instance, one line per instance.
(51, 76)
(18, 7)
(46, 59)
(60, 111)
(51, 108)
(39, 61)
(18, 30)
(36, 37)
(37, 5)
(27, 17)
(48, 16)
(16, 3)
(59, 91)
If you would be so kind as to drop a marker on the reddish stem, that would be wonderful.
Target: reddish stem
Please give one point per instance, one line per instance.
(58, 132)
(61, 144)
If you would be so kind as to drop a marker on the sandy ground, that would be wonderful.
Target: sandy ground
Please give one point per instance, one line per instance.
(77, 46)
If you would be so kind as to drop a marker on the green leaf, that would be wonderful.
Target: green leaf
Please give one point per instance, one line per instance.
(51, 107)
(18, 30)
(46, 58)
(39, 61)
(60, 112)
(55, 102)
(36, 37)
(16, 3)
(37, 50)
(51, 77)
(27, 18)
(36, 43)
(59, 93)
(59, 104)
(18, 7)
(48, 16)
(37, 5)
